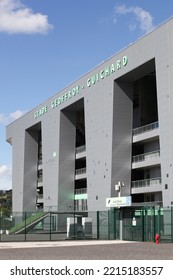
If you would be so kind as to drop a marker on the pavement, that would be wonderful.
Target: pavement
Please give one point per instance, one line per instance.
(67, 243)
(86, 250)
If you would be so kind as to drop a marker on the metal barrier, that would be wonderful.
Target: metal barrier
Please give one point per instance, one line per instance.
(80, 171)
(138, 224)
(146, 156)
(80, 149)
(146, 183)
(145, 128)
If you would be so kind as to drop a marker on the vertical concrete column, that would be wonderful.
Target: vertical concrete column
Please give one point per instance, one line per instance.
(121, 223)
(67, 160)
(122, 136)
(18, 141)
(30, 170)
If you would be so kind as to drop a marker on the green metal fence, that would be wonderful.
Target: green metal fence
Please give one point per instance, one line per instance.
(45, 226)
(144, 223)
(108, 224)
(134, 224)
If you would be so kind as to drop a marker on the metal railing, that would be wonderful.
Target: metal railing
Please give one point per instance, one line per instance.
(80, 171)
(39, 196)
(40, 180)
(80, 149)
(80, 208)
(40, 162)
(146, 156)
(145, 128)
(146, 182)
(150, 219)
(81, 191)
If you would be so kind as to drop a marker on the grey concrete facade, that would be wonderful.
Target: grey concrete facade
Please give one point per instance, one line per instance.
(131, 91)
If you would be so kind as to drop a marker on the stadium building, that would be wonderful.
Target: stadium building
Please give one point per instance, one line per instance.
(107, 135)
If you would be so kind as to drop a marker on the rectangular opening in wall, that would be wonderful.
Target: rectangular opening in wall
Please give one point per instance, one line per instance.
(145, 109)
(33, 178)
(80, 128)
(73, 157)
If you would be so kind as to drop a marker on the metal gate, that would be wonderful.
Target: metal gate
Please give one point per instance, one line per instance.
(133, 224)
(142, 224)
(108, 224)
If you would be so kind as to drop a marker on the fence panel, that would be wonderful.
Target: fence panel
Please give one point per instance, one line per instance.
(133, 224)
(139, 224)
(166, 225)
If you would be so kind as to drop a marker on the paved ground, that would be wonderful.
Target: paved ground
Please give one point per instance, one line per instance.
(86, 250)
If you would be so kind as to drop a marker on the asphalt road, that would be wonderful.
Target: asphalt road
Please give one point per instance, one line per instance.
(87, 251)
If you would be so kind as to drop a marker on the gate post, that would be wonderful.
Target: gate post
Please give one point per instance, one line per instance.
(98, 232)
(159, 223)
(154, 224)
(25, 217)
(171, 224)
(114, 221)
(121, 223)
(50, 227)
(143, 226)
(108, 224)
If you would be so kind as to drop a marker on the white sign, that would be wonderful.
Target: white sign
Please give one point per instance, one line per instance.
(134, 222)
(122, 201)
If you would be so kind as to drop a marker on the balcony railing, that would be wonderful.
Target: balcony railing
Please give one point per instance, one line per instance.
(145, 128)
(81, 191)
(39, 196)
(80, 208)
(40, 162)
(80, 171)
(80, 149)
(146, 183)
(146, 156)
(40, 180)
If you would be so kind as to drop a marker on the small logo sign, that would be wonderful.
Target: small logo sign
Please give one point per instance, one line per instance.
(122, 201)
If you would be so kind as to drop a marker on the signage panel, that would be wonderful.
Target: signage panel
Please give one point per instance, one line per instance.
(122, 201)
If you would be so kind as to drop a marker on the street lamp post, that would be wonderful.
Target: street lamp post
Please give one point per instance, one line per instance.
(118, 188)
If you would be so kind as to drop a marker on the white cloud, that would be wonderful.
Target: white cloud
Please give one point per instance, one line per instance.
(17, 18)
(17, 114)
(5, 177)
(2, 118)
(4, 170)
(11, 117)
(142, 16)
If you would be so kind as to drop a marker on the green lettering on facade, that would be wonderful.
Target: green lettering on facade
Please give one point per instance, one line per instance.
(66, 96)
(89, 82)
(125, 60)
(41, 112)
(102, 74)
(73, 91)
(93, 79)
(77, 89)
(112, 68)
(118, 64)
(107, 71)
(59, 100)
(62, 98)
(69, 94)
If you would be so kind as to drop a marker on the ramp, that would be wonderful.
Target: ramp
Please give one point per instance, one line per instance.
(30, 223)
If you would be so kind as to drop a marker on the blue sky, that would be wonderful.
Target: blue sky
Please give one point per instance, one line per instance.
(47, 44)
